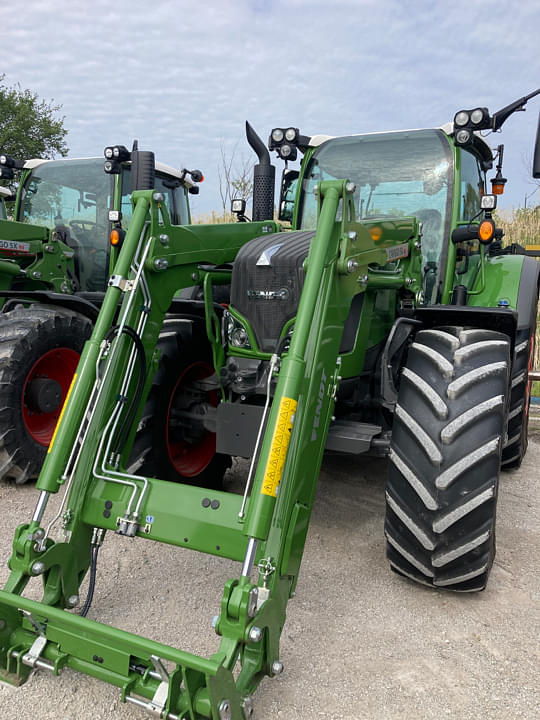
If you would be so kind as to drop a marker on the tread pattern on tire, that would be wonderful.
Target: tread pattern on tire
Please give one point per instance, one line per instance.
(516, 443)
(25, 335)
(445, 456)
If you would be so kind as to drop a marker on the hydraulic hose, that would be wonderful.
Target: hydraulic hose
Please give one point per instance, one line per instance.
(141, 377)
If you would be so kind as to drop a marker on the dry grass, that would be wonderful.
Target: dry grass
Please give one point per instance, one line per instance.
(214, 218)
(520, 226)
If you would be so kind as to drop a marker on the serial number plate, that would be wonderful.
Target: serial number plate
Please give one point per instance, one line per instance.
(14, 246)
(396, 252)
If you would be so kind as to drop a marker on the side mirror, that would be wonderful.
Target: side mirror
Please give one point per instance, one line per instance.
(143, 170)
(536, 158)
(287, 196)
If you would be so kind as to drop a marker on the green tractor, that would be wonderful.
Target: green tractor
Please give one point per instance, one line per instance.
(55, 261)
(390, 320)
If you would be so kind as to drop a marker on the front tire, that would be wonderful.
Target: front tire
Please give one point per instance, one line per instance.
(520, 399)
(449, 426)
(172, 442)
(40, 348)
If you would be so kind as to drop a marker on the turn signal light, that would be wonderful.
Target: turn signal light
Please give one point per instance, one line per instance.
(486, 231)
(376, 233)
(117, 237)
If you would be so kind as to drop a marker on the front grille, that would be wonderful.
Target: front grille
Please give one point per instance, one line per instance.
(267, 295)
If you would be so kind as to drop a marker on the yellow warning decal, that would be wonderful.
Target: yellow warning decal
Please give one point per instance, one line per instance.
(62, 413)
(278, 448)
(532, 247)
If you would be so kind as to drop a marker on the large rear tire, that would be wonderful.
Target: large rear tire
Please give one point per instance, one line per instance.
(520, 399)
(40, 347)
(445, 456)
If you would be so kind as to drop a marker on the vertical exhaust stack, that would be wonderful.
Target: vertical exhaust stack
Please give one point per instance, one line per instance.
(264, 178)
(536, 157)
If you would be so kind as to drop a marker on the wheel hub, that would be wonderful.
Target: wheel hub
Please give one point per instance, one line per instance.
(43, 395)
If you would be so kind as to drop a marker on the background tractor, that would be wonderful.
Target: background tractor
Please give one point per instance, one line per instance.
(55, 261)
(5, 194)
(389, 321)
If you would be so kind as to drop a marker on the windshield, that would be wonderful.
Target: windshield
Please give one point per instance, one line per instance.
(73, 197)
(396, 175)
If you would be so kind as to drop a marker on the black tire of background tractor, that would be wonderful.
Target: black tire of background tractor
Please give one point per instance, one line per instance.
(155, 452)
(39, 350)
(520, 399)
(449, 424)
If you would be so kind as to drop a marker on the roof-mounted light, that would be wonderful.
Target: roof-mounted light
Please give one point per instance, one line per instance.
(285, 142)
(291, 134)
(463, 137)
(477, 116)
(462, 118)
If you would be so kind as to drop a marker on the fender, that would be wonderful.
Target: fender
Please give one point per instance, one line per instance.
(511, 278)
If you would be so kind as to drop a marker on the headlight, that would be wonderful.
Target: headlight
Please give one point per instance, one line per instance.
(488, 202)
(477, 116)
(290, 134)
(462, 118)
(463, 136)
(277, 135)
(285, 151)
(237, 335)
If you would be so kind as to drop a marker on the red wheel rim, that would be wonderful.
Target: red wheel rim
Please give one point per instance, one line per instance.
(60, 365)
(190, 459)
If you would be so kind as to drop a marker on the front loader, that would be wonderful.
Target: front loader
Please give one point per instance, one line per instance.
(328, 344)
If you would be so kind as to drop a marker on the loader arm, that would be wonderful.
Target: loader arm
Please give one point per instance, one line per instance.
(87, 458)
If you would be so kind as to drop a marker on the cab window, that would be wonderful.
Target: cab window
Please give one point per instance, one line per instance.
(175, 195)
(472, 186)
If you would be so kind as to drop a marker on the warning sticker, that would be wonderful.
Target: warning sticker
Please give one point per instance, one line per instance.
(278, 448)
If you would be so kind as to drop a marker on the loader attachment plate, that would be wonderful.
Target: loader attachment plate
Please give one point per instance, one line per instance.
(132, 663)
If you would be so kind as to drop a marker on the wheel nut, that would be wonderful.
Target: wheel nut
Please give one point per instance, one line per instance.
(255, 634)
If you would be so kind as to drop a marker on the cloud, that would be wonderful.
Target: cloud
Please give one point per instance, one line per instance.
(184, 76)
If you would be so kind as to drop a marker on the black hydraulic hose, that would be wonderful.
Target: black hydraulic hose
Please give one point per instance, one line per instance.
(141, 378)
(94, 549)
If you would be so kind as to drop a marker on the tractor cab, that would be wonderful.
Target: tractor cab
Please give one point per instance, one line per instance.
(397, 174)
(74, 196)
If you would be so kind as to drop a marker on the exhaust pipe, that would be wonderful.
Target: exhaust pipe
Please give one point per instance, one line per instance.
(264, 178)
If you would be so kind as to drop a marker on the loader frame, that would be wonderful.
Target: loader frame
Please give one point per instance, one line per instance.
(265, 531)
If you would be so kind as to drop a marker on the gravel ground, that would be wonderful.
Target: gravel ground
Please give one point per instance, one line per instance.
(359, 642)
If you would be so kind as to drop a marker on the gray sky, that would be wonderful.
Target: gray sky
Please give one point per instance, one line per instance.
(182, 77)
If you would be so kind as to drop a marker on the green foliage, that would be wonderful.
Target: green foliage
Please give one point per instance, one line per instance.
(29, 126)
